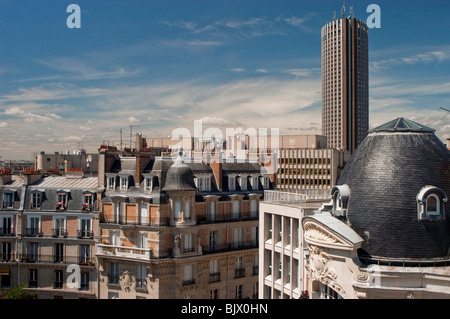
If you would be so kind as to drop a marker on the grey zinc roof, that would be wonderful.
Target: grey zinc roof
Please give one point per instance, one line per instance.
(385, 174)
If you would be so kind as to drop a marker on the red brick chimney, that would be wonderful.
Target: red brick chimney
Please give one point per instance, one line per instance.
(216, 165)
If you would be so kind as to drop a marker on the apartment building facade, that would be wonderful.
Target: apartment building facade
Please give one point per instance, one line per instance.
(47, 226)
(184, 228)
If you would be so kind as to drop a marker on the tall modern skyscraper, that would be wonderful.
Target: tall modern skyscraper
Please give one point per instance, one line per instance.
(345, 82)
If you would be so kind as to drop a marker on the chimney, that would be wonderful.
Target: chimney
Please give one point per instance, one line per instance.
(5, 176)
(216, 166)
(448, 143)
(142, 159)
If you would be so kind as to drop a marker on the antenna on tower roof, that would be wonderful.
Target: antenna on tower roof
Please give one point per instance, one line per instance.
(343, 11)
(352, 13)
(334, 15)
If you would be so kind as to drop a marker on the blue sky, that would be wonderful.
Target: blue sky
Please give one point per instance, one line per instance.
(160, 65)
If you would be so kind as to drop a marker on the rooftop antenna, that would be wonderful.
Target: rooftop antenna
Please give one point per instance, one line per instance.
(352, 13)
(334, 15)
(131, 135)
(343, 11)
(120, 138)
(445, 109)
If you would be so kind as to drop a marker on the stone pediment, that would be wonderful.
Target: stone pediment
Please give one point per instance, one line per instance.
(324, 230)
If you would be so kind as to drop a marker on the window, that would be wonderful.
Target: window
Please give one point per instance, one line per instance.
(6, 251)
(33, 228)
(239, 291)
(266, 182)
(243, 182)
(123, 183)
(111, 183)
(59, 253)
(238, 237)
(143, 241)
(141, 278)
(254, 180)
(214, 274)
(6, 226)
(239, 267)
(59, 227)
(8, 200)
(114, 238)
(214, 294)
(148, 184)
(85, 228)
(203, 182)
(58, 279)
(232, 183)
(33, 279)
(213, 240)
(188, 243)
(177, 210)
(188, 275)
(32, 252)
(113, 276)
(62, 198)
(85, 251)
(84, 285)
(88, 201)
(36, 200)
(143, 215)
(431, 203)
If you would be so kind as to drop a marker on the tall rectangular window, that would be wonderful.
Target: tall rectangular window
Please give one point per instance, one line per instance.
(59, 252)
(8, 200)
(33, 278)
(141, 278)
(58, 284)
(84, 284)
(36, 199)
(113, 276)
(85, 254)
(188, 275)
(188, 243)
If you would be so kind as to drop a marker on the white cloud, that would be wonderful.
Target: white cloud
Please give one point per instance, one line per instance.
(3, 125)
(132, 120)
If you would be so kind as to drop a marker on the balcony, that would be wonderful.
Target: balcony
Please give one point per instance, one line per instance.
(85, 234)
(236, 245)
(33, 232)
(58, 232)
(124, 252)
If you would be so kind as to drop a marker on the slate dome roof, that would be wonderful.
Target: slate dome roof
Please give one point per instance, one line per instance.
(385, 175)
(179, 177)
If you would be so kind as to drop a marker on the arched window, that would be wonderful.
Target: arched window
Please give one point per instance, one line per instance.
(432, 206)
(431, 203)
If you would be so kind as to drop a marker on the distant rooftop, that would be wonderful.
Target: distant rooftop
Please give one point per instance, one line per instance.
(402, 125)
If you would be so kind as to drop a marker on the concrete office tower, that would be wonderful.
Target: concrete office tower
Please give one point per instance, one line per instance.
(345, 82)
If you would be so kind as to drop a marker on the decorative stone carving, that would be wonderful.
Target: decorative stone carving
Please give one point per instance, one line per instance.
(321, 270)
(317, 234)
(127, 281)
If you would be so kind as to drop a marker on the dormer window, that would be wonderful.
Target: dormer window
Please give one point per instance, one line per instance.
(88, 201)
(203, 182)
(243, 182)
(36, 199)
(123, 183)
(148, 184)
(431, 203)
(111, 182)
(340, 196)
(232, 182)
(62, 199)
(265, 181)
(254, 181)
